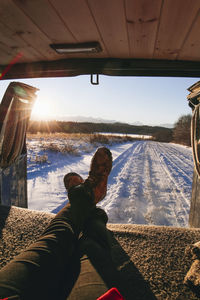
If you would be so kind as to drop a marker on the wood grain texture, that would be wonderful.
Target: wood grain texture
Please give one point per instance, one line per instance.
(6, 54)
(78, 18)
(142, 18)
(191, 47)
(47, 20)
(21, 25)
(15, 44)
(156, 29)
(176, 19)
(111, 22)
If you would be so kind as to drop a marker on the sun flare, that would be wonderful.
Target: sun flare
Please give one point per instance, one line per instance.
(42, 111)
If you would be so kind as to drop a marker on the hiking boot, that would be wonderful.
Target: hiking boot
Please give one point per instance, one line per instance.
(72, 179)
(100, 168)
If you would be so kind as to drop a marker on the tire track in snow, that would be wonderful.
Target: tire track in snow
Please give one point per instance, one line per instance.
(126, 186)
(176, 161)
(150, 184)
(179, 171)
(176, 198)
(159, 209)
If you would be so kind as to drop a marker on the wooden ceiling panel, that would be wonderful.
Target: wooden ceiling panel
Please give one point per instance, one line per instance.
(176, 19)
(78, 18)
(49, 22)
(17, 45)
(6, 55)
(111, 22)
(20, 25)
(148, 29)
(191, 47)
(28, 54)
(142, 21)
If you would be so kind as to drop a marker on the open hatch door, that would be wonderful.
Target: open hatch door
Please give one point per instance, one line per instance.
(15, 110)
(194, 103)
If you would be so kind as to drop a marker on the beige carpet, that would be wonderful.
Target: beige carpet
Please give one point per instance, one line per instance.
(149, 260)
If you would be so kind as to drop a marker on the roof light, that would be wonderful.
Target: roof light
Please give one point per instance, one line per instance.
(92, 47)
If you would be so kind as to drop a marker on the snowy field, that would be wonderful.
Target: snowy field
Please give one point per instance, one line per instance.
(150, 182)
(144, 137)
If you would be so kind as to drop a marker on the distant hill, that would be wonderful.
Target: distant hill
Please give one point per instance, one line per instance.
(167, 125)
(82, 119)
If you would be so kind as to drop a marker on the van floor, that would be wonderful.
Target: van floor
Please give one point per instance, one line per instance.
(150, 260)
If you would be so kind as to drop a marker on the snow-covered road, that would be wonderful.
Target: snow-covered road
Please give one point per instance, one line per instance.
(150, 183)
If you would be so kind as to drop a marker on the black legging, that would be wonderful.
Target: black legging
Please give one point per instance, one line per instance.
(39, 272)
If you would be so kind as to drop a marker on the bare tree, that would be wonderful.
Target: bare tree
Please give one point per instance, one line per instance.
(181, 131)
(163, 135)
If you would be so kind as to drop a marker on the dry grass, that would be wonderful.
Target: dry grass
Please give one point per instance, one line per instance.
(57, 135)
(39, 158)
(73, 144)
(57, 147)
(99, 138)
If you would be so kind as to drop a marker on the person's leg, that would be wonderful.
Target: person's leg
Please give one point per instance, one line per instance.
(34, 273)
(98, 272)
(95, 228)
(95, 243)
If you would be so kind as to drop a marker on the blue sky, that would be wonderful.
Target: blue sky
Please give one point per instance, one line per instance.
(149, 100)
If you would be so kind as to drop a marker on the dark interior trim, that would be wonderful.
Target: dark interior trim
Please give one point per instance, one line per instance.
(105, 66)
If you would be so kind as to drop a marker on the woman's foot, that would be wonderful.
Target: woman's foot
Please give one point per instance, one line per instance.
(100, 169)
(72, 179)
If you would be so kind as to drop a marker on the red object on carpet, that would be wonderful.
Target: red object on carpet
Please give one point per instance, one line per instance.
(112, 294)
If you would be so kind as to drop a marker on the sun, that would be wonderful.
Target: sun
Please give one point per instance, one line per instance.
(42, 110)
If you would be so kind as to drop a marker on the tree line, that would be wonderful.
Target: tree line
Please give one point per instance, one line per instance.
(181, 131)
(179, 134)
(88, 127)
